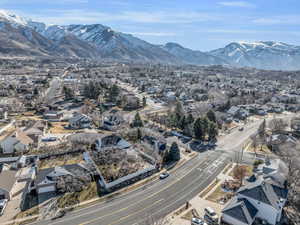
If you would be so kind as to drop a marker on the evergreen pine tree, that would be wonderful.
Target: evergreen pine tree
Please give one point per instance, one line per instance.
(190, 119)
(212, 131)
(198, 129)
(174, 154)
(211, 116)
(144, 101)
(137, 122)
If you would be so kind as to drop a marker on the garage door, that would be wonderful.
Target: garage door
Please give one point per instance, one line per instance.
(47, 189)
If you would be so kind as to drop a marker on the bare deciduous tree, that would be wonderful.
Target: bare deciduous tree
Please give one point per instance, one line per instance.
(277, 125)
(239, 173)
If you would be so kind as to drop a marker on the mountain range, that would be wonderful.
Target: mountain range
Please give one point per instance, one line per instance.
(23, 37)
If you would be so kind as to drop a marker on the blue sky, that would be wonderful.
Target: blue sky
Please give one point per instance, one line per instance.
(197, 24)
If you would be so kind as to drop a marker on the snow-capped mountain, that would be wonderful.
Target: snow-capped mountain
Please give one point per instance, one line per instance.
(17, 39)
(261, 54)
(12, 18)
(192, 57)
(110, 44)
(23, 37)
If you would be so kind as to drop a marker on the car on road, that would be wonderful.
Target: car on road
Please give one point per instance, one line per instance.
(163, 175)
(210, 216)
(197, 221)
(241, 128)
(58, 215)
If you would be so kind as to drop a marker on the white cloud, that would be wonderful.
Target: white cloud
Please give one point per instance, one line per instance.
(7, 2)
(241, 4)
(154, 34)
(160, 17)
(279, 20)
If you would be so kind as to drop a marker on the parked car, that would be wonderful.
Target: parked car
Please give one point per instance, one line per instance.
(197, 221)
(163, 175)
(3, 203)
(241, 128)
(49, 139)
(210, 216)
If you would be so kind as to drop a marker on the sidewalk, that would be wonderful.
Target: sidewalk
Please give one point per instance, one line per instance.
(199, 204)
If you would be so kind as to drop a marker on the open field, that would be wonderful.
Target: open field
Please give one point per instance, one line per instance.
(59, 128)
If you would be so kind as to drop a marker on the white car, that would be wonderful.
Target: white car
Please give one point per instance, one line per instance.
(197, 221)
(210, 215)
(163, 175)
(3, 203)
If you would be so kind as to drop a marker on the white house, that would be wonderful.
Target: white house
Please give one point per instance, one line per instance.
(12, 143)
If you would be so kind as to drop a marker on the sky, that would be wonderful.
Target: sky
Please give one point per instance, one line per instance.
(198, 24)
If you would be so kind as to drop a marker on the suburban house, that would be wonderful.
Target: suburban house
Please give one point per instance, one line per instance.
(111, 141)
(52, 116)
(130, 102)
(46, 179)
(238, 112)
(261, 199)
(8, 180)
(16, 143)
(112, 121)
(155, 143)
(80, 121)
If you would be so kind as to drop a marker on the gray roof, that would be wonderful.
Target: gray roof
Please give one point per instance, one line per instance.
(265, 192)
(10, 141)
(58, 171)
(233, 110)
(241, 209)
(7, 179)
(78, 117)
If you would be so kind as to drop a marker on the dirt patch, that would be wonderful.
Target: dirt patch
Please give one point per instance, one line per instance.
(30, 212)
(115, 163)
(188, 216)
(74, 158)
(259, 150)
(70, 199)
(216, 195)
(59, 128)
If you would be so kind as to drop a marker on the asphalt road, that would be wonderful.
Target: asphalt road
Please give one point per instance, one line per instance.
(161, 197)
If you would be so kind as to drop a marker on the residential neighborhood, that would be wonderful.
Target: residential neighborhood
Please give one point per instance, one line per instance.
(226, 138)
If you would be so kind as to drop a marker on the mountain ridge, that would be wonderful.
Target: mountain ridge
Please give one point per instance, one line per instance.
(20, 36)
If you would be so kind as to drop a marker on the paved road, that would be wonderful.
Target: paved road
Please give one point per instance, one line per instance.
(159, 198)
